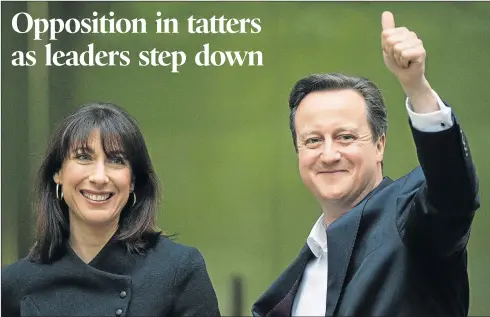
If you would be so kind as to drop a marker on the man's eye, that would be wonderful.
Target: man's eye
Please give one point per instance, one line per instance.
(313, 140)
(346, 137)
(313, 143)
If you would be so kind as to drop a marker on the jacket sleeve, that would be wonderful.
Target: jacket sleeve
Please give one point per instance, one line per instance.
(436, 208)
(195, 295)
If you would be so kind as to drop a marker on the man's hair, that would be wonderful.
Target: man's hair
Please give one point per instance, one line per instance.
(376, 110)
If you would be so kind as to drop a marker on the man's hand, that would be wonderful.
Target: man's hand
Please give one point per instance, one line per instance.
(404, 55)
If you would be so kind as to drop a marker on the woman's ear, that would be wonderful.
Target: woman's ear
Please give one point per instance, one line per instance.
(57, 177)
(132, 183)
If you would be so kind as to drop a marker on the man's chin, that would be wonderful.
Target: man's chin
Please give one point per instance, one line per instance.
(332, 196)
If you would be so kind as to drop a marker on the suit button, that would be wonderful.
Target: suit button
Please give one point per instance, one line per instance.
(122, 294)
(118, 312)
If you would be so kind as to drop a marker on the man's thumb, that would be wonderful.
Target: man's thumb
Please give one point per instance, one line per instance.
(387, 20)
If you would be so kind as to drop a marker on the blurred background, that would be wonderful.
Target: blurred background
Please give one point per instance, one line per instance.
(219, 137)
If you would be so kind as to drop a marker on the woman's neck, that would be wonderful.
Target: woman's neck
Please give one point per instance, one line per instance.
(87, 241)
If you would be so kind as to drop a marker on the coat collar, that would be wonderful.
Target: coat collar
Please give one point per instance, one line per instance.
(278, 299)
(113, 258)
(341, 237)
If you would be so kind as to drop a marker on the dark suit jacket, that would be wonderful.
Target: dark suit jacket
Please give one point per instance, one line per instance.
(169, 280)
(402, 250)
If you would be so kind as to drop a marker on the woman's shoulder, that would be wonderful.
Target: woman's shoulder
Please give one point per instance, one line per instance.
(168, 246)
(17, 270)
(168, 249)
(184, 261)
(16, 275)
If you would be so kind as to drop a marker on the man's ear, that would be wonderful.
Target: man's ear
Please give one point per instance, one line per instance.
(380, 148)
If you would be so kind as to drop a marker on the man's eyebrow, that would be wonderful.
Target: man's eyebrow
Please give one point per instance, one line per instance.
(346, 128)
(337, 130)
(306, 133)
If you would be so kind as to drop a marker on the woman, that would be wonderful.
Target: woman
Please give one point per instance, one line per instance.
(97, 252)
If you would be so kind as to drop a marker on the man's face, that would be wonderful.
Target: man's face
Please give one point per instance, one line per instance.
(338, 160)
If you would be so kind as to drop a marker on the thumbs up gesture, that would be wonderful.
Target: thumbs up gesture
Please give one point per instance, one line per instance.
(404, 54)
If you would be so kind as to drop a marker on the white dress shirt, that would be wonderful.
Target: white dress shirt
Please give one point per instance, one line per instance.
(311, 298)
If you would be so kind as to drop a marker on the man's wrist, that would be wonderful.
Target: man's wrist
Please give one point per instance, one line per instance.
(421, 97)
(418, 89)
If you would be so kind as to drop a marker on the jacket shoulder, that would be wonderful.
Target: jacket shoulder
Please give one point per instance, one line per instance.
(411, 181)
(176, 253)
(192, 286)
(13, 273)
(166, 246)
(14, 277)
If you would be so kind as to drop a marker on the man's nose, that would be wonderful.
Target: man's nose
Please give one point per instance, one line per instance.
(330, 153)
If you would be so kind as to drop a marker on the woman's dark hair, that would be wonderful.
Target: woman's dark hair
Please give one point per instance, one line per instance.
(118, 132)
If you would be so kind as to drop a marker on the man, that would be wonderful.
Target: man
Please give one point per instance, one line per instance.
(395, 248)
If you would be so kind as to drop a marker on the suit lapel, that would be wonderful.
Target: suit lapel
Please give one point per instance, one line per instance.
(341, 238)
(278, 299)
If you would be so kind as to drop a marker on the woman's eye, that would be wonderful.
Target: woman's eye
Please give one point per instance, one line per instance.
(118, 160)
(82, 156)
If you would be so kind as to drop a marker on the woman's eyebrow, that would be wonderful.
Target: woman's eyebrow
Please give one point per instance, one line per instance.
(116, 153)
(84, 149)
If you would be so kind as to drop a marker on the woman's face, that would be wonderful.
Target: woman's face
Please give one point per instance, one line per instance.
(95, 187)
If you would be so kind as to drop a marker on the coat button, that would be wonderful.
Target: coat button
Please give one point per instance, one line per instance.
(122, 294)
(118, 312)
